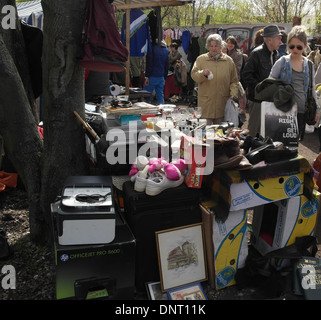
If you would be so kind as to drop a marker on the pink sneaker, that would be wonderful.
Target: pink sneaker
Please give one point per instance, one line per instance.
(158, 182)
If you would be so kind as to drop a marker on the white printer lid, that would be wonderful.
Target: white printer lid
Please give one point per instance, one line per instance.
(85, 196)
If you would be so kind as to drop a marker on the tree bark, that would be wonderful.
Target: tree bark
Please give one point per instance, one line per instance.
(18, 126)
(43, 166)
(63, 82)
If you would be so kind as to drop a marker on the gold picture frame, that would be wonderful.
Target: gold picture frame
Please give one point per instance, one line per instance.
(181, 256)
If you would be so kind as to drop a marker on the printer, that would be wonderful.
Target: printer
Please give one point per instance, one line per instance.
(85, 212)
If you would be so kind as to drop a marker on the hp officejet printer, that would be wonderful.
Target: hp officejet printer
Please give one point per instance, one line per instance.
(85, 214)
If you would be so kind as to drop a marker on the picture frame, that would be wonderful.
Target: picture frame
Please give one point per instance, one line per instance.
(192, 291)
(154, 291)
(181, 256)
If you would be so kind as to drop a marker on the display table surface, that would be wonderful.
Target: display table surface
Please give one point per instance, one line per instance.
(141, 95)
(218, 185)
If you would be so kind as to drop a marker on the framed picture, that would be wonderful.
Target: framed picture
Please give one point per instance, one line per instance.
(154, 291)
(191, 292)
(181, 256)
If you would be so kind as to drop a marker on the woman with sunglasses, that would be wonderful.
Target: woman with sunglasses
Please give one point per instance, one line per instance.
(294, 69)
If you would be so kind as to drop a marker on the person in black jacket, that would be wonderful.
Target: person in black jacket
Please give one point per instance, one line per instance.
(256, 69)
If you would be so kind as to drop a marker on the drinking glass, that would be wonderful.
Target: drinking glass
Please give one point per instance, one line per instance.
(198, 113)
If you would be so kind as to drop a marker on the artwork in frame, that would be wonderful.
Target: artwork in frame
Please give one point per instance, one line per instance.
(154, 291)
(193, 291)
(181, 256)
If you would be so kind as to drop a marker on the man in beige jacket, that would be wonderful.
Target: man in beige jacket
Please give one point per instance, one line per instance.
(216, 75)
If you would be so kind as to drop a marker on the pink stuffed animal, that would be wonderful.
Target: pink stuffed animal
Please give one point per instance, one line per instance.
(156, 164)
(175, 169)
(140, 163)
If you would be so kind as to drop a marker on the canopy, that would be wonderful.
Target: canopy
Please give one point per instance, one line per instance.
(31, 12)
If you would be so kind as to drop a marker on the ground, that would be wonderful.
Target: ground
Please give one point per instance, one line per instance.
(34, 265)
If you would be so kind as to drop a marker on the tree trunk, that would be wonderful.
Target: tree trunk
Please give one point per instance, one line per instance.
(63, 92)
(18, 125)
(44, 166)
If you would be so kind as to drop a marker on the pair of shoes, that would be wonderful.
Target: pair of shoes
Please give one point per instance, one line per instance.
(270, 153)
(158, 182)
(251, 143)
(227, 153)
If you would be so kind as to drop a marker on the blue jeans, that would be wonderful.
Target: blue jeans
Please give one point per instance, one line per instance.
(158, 84)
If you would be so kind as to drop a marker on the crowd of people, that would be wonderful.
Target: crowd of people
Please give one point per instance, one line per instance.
(224, 72)
(223, 69)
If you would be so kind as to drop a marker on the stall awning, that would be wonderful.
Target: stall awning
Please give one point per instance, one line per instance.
(120, 5)
(31, 12)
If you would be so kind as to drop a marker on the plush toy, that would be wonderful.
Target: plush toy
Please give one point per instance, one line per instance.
(175, 169)
(140, 163)
(156, 164)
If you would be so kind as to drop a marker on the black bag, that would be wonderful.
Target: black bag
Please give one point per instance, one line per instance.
(263, 271)
(145, 215)
(311, 105)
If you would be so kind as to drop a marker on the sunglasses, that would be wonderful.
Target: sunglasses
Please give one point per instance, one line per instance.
(292, 46)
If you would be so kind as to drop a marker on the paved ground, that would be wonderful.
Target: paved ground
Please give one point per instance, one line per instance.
(310, 146)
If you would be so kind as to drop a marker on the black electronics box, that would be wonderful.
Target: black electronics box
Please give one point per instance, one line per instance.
(100, 271)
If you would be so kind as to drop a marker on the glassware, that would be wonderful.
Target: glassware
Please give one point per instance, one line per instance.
(198, 113)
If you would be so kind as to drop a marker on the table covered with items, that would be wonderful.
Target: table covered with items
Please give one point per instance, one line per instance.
(186, 202)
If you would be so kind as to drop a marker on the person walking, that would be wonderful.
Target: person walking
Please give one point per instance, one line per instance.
(294, 69)
(235, 53)
(157, 65)
(258, 68)
(216, 76)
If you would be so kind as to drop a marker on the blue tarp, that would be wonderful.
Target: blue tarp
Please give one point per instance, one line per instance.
(31, 12)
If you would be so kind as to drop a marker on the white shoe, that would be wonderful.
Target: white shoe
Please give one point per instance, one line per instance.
(158, 182)
(141, 180)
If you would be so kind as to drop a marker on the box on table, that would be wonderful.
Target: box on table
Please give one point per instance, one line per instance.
(250, 194)
(194, 152)
(126, 118)
(226, 246)
(104, 271)
(277, 225)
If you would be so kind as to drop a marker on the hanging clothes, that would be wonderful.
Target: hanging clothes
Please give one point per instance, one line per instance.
(186, 38)
(168, 35)
(202, 45)
(177, 34)
(140, 42)
(155, 24)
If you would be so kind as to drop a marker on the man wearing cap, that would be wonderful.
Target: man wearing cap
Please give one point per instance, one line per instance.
(256, 69)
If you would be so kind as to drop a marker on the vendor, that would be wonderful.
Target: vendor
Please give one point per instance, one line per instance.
(173, 56)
